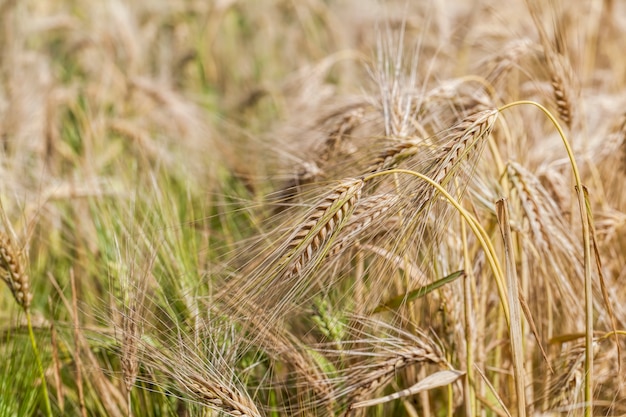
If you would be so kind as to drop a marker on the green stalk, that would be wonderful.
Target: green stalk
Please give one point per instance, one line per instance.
(44, 386)
(587, 255)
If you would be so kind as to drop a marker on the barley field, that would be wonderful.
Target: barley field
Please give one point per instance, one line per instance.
(271, 208)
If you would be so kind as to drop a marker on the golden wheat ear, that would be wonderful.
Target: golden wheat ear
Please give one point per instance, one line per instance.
(562, 77)
(13, 272)
(465, 135)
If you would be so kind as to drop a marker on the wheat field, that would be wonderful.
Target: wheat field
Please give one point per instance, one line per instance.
(312, 208)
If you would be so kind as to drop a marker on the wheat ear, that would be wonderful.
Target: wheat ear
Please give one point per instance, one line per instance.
(279, 342)
(368, 211)
(13, 273)
(322, 224)
(205, 383)
(219, 396)
(465, 135)
(559, 69)
(312, 170)
(284, 274)
(391, 156)
(508, 58)
(366, 379)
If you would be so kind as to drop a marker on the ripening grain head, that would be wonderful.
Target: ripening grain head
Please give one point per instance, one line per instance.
(13, 271)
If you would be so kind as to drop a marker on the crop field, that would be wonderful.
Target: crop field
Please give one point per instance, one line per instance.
(351, 208)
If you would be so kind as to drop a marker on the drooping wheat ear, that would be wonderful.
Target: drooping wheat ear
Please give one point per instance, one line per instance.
(559, 68)
(509, 57)
(342, 129)
(313, 170)
(552, 239)
(364, 379)
(367, 212)
(562, 77)
(13, 273)
(205, 383)
(219, 397)
(556, 185)
(311, 239)
(455, 94)
(463, 137)
(391, 156)
(543, 212)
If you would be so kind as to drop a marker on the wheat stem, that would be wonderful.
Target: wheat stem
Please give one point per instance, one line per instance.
(515, 329)
(587, 254)
(478, 230)
(42, 374)
(470, 389)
